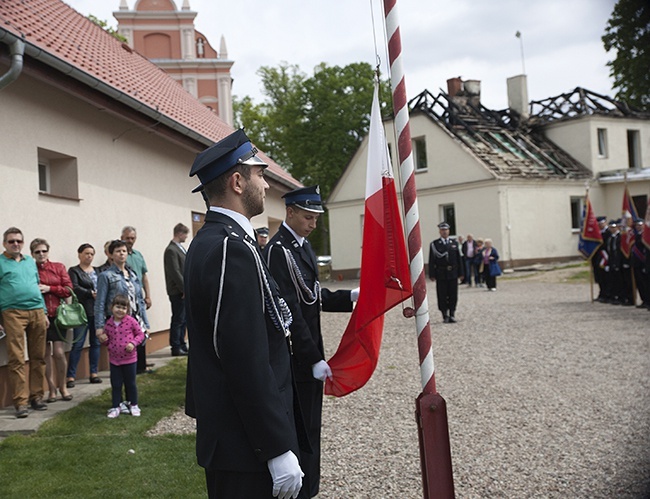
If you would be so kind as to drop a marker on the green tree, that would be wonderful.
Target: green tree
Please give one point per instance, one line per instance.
(628, 33)
(312, 125)
(110, 30)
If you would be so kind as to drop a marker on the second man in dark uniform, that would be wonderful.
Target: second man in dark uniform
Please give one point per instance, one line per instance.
(293, 265)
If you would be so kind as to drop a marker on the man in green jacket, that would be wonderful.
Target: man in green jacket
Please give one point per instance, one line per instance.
(23, 314)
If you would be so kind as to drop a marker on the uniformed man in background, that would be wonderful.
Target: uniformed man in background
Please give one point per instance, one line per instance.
(445, 267)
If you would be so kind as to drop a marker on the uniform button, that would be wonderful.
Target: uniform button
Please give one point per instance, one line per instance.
(258, 451)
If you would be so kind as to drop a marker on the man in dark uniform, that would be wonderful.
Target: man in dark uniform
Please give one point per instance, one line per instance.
(293, 265)
(239, 381)
(598, 258)
(613, 270)
(445, 267)
(262, 235)
(640, 264)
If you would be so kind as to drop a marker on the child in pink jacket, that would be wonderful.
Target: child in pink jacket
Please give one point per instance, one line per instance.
(121, 335)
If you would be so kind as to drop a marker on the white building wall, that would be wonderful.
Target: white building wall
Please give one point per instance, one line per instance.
(127, 175)
(580, 139)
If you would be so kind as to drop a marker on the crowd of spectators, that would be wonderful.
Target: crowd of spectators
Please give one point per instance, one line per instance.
(31, 289)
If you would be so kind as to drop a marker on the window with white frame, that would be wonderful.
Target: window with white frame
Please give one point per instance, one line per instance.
(633, 149)
(419, 147)
(577, 204)
(57, 174)
(602, 142)
(448, 214)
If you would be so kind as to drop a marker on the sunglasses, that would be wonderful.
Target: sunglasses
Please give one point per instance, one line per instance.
(40, 252)
(15, 241)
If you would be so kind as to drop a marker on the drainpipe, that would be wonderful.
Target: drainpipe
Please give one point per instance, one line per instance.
(16, 50)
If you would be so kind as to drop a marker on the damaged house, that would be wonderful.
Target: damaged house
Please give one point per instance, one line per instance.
(518, 176)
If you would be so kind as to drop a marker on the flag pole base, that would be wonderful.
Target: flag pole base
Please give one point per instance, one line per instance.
(435, 451)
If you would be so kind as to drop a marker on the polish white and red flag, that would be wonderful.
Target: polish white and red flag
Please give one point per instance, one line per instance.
(385, 279)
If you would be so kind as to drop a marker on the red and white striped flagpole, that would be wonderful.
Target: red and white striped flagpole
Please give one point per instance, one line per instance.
(431, 411)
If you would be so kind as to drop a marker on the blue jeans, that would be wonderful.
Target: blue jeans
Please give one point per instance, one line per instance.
(124, 375)
(178, 323)
(471, 267)
(77, 347)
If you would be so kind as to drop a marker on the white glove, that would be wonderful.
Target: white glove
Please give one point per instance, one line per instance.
(287, 475)
(354, 294)
(321, 370)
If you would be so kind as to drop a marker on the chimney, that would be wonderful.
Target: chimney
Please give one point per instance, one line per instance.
(518, 95)
(473, 91)
(454, 86)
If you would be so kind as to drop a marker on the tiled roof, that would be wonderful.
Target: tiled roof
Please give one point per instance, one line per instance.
(496, 140)
(59, 30)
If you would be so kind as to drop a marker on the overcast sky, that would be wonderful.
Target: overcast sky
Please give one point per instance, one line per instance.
(473, 39)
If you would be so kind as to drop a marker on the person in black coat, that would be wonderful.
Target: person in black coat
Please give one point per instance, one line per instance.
(293, 265)
(597, 261)
(614, 267)
(239, 382)
(445, 267)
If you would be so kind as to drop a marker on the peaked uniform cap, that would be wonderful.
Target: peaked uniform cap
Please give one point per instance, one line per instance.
(262, 231)
(443, 225)
(235, 149)
(307, 198)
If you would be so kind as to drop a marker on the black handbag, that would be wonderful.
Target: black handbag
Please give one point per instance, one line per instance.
(69, 316)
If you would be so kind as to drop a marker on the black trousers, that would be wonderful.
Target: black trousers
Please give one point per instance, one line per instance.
(310, 395)
(142, 358)
(447, 292)
(642, 284)
(238, 485)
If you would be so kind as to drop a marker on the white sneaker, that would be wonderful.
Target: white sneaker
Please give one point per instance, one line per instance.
(113, 412)
(125, 407)
(135, 410)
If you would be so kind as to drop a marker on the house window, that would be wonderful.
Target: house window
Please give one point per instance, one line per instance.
(576, 212)
(633, 149)
(602, 142)
(419, 146)
(448, 214)
(43, 177)
(641, 204)
(57, 174)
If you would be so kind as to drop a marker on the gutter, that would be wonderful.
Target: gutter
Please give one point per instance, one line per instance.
(16, 51)
(67, 69)
(620, 176)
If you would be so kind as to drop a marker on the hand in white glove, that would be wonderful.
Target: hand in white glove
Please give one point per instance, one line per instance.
(354, 294)
(287, 475)
(321, 370)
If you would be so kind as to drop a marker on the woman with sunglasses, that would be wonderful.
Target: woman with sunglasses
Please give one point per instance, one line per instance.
(55, 285)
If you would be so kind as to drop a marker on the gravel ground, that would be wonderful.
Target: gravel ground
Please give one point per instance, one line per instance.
(548, 395)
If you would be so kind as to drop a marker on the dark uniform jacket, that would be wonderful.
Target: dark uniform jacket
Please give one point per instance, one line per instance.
(174, 263)
(614, 253)
(239, 382)
(444, 260)
(306, 337)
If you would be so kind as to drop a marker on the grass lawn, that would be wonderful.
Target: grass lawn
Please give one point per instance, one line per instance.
(83, 454)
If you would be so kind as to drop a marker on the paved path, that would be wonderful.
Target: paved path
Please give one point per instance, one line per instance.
(548, 395)
(83, 390)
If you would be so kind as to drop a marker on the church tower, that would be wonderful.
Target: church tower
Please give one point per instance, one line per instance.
(167, 37)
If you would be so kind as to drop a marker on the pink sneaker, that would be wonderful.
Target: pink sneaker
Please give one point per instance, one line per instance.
(135, 410)
(113, 412)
